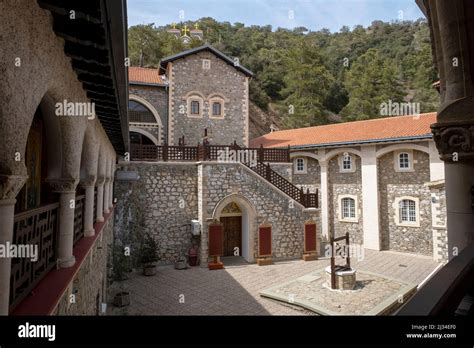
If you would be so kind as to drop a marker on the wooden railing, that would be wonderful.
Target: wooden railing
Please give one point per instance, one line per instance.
(37, 228)
(254, 158)
(308, 200)
(79, 218)
(141, 116)
(203, 152)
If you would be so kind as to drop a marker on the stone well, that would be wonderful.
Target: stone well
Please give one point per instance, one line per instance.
(345, 278)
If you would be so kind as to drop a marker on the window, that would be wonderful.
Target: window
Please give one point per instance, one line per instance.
(194, 107)
(216, 105)
(206, 64)
(404, 161)
(346, 162)
(216, 109)
(407, 211)
(300, 166)
(348, 208)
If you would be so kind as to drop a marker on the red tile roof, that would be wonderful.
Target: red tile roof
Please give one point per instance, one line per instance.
(145, 75)
(399, 127)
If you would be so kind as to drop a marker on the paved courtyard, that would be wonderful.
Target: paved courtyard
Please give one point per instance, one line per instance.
(235, 290)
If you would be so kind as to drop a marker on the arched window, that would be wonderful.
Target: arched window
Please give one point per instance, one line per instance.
(139, 113)
(346, 162)
(300, 166)
(407, 211)
(404, 161)
(348, 208)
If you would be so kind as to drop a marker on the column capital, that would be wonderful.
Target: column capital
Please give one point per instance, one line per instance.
(88, 181)
(454, 140)
(10, 185)
(100, 180)
(108, 179)
(63, 185)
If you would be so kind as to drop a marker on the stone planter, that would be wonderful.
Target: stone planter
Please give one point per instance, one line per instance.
(122, 299)
(149, 270)
(181, 264)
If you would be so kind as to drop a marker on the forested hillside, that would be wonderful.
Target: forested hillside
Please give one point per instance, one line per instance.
(309, 78)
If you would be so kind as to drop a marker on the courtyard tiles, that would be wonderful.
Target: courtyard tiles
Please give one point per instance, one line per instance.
(236, 289)
(373, 294)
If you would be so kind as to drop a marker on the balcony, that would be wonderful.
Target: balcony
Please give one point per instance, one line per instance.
(39, 227)
(256, 159)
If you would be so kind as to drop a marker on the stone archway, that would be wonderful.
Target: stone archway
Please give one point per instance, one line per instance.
(248, 225)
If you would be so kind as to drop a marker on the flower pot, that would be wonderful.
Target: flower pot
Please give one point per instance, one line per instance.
(180, 264)
(122, 299)
(149, 270)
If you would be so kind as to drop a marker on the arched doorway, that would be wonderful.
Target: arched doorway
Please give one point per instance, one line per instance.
(236, 205)
(231, 218)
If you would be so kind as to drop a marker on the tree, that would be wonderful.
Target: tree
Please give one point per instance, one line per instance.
(307, 84)
(370, 82)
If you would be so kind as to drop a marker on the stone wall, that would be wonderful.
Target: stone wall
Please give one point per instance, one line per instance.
(394, 184)
(286, 217)
(345, 184)
(162, 202)
(284, 169)
(188, 76)
(158, 97)
(438, 218)
(312, 178)
(89, 286)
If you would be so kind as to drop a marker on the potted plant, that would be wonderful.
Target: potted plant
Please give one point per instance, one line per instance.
(149, 255)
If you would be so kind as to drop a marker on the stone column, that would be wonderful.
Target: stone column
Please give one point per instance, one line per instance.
(100, 199)
(106, 196)
(324, 199)
(459, 197)
(89, 213)
(9, 187)
(370, 198)
(111, 193)
(67, 195)
(450, 24)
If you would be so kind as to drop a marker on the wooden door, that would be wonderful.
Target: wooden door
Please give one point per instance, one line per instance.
(232, 234)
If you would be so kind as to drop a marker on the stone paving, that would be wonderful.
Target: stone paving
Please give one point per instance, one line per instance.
(372, 295)
(235, 289)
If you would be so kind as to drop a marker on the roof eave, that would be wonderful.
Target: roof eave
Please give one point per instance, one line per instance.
(360, 142)
(166, 60)
(148, 84)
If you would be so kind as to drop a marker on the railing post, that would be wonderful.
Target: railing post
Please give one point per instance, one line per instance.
(347, 251)
(302, 200)
(165, 152)
(288, 154)
(198, 152)
(268, 173)
(260, 154)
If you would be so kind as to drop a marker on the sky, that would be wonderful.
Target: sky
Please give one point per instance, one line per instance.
(312, 14)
